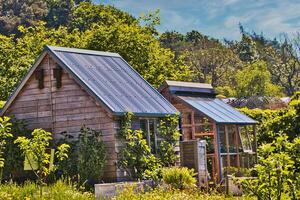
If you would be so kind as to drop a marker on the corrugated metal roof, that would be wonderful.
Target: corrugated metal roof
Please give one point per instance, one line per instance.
(217, 110)
(113, 81)
(177, 87)
(189, 84)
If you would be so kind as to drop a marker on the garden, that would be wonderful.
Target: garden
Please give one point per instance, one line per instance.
(75, 165)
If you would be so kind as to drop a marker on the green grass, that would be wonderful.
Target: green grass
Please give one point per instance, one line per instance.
(130, 194)
(30, 191)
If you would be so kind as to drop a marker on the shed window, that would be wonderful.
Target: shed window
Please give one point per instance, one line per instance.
(148, 126)
(245, 139)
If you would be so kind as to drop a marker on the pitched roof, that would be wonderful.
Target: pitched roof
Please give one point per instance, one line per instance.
(110, 79)
(188, 87)
(217, 110)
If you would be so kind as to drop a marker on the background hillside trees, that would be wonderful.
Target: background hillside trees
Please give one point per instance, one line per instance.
(232, 67)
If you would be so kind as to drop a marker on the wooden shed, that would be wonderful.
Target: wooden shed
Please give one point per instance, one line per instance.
(67, 88)
(230, 135)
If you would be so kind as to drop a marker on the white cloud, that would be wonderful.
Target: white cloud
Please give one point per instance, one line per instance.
(220, 18)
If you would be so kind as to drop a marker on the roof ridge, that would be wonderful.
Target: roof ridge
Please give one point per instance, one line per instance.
(82, 51)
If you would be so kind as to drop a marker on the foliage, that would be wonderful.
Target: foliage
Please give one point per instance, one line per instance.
(161, 193)
(277, 170)
(14, 164)
(59, 190)
(135, 156)
(168, 131)
(179, 177)
(5, 133)
(274, 122)
(95, 27)
(87, 157)
(92, 156)
(255, 79)
(86, 14)
(35, 150)
(2, 104)
(15, 13)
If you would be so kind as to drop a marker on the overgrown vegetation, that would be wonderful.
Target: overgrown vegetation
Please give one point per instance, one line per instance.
(167, 194)
(5, 133)
(277, 170)
(57, 191)
(273, 123)
(179, 177)
(136, 157)
(86, 160)
(37, 152)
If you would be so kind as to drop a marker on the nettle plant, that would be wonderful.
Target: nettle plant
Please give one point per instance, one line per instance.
(136, 157)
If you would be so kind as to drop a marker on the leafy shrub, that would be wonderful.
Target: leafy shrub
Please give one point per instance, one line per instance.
(274, 122)
(35, 150)
(5, 133)
(179, 177)
(87, 157)
(277, 170)
(59, 190)
(13, 168)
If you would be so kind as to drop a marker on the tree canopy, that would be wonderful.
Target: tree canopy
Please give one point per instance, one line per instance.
(255, 65)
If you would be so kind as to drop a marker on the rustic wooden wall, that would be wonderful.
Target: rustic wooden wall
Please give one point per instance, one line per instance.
(65, 109)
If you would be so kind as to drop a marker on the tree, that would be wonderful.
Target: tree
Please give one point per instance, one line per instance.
(284, 64)
(17, 56)
(36, 151)
(255, 79)
(20, 12)
(214, 65)
(85, 15)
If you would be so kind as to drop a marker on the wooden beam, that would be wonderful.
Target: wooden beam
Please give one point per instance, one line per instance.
(228, 158)
(193, 124)
(217, 168)
(255, 143)
(237, 135)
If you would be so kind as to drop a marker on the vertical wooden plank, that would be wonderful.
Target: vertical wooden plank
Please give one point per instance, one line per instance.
(228, 158)
(193, 124)
(255, 143)
(237, 134)
(51, 92)
(216, 168)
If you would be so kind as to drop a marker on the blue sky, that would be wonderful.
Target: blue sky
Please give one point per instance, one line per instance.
(220, 18)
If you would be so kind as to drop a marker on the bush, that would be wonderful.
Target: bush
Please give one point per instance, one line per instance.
(87, 157)
(59, 190)
(277, 171)
(179, 177)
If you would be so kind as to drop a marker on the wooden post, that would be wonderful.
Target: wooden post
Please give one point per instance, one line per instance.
(255, 143)
(216, 168)
(228, 158)
(193, 124)
(237, 135)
